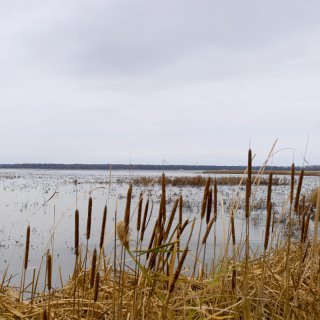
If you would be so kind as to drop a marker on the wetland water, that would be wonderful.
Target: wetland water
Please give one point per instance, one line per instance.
(47, 199)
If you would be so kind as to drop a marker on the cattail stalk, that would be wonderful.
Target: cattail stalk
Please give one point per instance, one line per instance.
(26, 254)
(209, 205)
(88, 233)
(268, 221)
(89, 218)
(127, 210)
(170, 221)
(269, 188)
(299, 186)
(144, 221)
(26, 259)
(49, 281)
(163, 198)
(215, 199)
(76, 233)
(96, 287)
(103, 228)
(93, 267)
(139, 212)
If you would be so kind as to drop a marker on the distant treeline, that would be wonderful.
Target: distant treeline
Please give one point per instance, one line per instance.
(58, 166)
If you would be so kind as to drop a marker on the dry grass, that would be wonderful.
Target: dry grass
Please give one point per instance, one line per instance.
(281, 282)
(200, 181)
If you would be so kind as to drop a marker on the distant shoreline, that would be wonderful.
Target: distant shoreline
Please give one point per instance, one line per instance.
(314, 170)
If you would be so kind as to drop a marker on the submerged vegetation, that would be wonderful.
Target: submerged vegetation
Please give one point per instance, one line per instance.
(168, 280)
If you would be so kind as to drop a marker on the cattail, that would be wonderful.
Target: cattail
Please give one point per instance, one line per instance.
(163, 197)
(248, 187)
(269, 188)
(234, 279)
(303, 224)
(306, 227)
(205, 197)
(89, 218)
(128, 205)
(49, 271)
(93, 267)
(303, 203)
(43, 314)
(76, 232)
(178, 270)
(249, 171)
(204, 239)
(144, 221)
(292, 184)
(215, 199)
(139, 212)
(180, 210)
(184, 226)
(96, 287)
(123, 234)
(266, 238)
(299, 186)
(233, 232)
(26, 252)
(173, 213)
(209, 205)
(103, 226)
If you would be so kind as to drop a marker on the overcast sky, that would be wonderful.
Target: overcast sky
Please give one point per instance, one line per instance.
(190, 82)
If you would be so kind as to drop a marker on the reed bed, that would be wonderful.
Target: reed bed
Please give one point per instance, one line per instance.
(200, 181)
(280, 281)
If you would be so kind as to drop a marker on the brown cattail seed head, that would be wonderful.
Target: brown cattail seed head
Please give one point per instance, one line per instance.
(292, 184)
(266, 239)
(209, 205)
(144, 221)
(103, 226)
(173, 213)
(233, 231)
(93, 267)
(26, 253)
(296, 203)
(215, 199)
(249, 170)
(178, 270)
(139, 212)
(204, 240)
(128, 205)
(96, 287)
(269, 188)
(76, 232)
(163, 197)
(49, 271)
(205, 196)
(89, 218)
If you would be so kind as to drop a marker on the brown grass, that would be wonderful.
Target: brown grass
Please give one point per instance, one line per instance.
(282, 282)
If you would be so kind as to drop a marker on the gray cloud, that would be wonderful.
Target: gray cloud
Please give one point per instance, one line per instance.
(186, 81)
